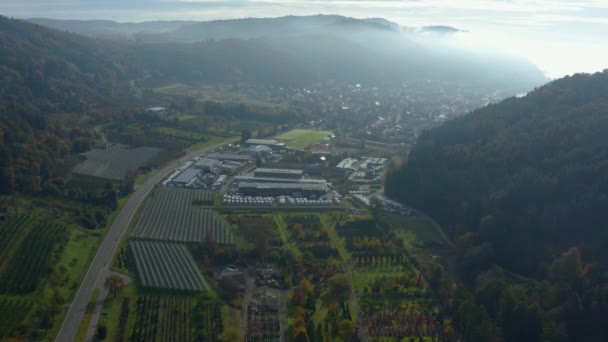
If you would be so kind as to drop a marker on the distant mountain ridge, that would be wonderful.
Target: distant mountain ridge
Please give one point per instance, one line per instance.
(245, 28)
(303, 49)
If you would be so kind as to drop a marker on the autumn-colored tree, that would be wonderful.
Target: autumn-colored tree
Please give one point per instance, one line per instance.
(114, 283)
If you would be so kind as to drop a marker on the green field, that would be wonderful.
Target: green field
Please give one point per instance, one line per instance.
(301, 138)
(178, 133)
(415, 231)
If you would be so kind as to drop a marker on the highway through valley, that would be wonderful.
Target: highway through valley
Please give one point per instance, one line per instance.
(102, 262)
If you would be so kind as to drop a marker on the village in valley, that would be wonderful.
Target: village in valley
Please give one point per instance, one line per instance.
(277, 239)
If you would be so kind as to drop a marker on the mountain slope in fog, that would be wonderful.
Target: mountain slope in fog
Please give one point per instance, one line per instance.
(333, 47)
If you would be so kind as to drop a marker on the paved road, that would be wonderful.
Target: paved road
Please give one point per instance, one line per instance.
(103, 293)
(102, 261)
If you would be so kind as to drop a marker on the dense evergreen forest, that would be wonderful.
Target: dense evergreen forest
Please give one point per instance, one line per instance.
(523, 184)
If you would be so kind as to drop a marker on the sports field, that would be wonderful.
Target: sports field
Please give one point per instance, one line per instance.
(302, 138)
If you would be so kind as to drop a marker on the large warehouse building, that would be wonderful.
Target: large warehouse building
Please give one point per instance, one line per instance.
(242, 158)
(249, 179)
(187, 177)
(275, 145)
(278, 173)
(283, 189)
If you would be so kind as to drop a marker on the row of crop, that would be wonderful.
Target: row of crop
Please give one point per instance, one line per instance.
(312, 222)
(162, 319)
(364, 245)
(208, 321)
(124, 318)
(263, 323)
(32, 261)
(401, 320)
(175, 319)
(169, 215)
(9, 234)
(359, 228)
(12, 313)
(166, 265)
(382, 263)
(146, 320)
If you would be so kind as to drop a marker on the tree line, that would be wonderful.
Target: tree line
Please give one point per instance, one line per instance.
(523, 185)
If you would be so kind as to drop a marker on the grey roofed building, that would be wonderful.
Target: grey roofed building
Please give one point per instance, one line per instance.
(276, 189)
(186, 176)
(206, 163)
(259, 150)
(261, 142)
(278, 173)
(250, 179)
(266, 142)
(230, 156)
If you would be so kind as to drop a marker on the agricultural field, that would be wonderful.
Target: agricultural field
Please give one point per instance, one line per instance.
(28, 259)
(11, 234)
(166, 266)
(366, 238)
(170, 215)
(301, 138)
(392, 319)
(259, 233)
(263, 322)
(395, 303)
(416, 231)
(13, 313)
(153, 317)
(115, 162)
(178, 133)
(311, 239)
(162, 319)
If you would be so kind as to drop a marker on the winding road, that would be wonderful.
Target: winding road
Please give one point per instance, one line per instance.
(101, 265)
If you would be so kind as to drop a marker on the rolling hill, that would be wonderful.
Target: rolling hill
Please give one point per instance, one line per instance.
(324, 47)
(523, 184)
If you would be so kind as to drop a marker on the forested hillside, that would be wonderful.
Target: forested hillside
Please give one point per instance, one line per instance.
(50, 83)
(56, 87)
(299, 50)
(524, 184)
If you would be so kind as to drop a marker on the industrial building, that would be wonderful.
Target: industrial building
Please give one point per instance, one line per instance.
(206, 164)
(249, 179)
(231, 157)
(258, 151)
(230, 167)
(282, 189)
(275, 145)
(219, 182)
(186, 177)
(278, 173)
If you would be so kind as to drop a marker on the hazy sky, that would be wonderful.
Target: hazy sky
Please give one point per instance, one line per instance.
(560, 36)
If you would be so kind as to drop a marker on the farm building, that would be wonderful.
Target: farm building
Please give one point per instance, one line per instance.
(249, 179)
(187, 177)
(243, 158)
(221, 180)
(258, 151)
(278, 173)
(230, 167)
(278, 189)
(206, 164)
(273, 144)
